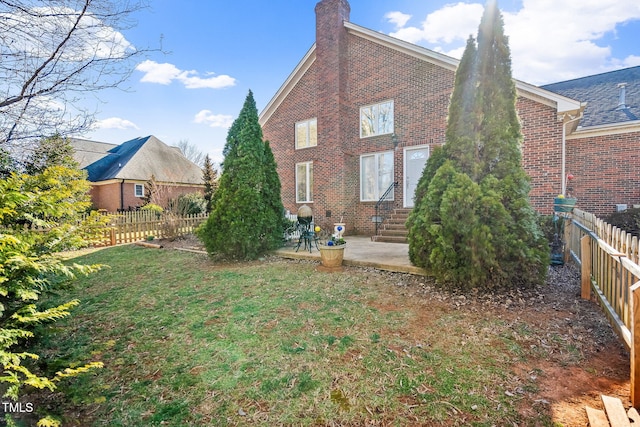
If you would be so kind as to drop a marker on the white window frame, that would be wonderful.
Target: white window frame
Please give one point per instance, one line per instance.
(379, 189)
(308, 181)
(137, 193)
(371, 113)
(306, 126)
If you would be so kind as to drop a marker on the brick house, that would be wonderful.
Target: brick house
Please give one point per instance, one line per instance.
(363, 110)
(118, 173)
(603, 152)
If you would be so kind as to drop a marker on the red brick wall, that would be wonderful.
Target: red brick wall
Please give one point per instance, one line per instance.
(541, 152)
(606, 171)
(108, 196)
(420, 92)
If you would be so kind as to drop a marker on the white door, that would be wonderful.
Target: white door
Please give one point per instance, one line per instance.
(414, 160)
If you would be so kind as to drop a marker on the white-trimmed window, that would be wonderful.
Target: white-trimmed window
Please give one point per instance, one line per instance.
(376, 119)
(304, 182)
(376, 175)
(307, 133)
(138, 190)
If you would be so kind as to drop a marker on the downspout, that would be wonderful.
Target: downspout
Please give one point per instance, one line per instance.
(122, 195)
(564, 148)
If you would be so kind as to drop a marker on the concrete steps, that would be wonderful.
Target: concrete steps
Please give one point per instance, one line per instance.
(393, 229)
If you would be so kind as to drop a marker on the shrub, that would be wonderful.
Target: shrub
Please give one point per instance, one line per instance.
(188, 204)
(29, 267)
(628, 220)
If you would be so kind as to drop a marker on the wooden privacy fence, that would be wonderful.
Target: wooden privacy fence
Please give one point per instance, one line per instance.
(608, 258)
(127, 227)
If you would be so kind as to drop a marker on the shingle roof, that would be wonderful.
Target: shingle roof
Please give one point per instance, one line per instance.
(601, 92)
(87, 152)
(136, 159)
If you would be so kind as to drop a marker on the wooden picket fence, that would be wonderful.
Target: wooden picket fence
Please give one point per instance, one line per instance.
(608, 258)
(128, 227)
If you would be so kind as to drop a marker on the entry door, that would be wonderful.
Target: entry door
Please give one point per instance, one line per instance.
(414, 160)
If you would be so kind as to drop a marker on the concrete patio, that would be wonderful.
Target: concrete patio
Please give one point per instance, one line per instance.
(362, 252)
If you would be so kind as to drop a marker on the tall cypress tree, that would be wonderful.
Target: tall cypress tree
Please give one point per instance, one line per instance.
(210, 178)
(244, 218)
(472, 225)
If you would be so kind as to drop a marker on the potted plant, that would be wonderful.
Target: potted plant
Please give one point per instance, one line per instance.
(563, 203)
(331, 251)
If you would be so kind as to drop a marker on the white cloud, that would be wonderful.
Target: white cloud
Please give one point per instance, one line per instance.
(550, 40)
(213, 120)
(454, 22)
(115, 123)
(158, 73)
(213, 82)
(554, 41)
(398, 19)
(166, 73)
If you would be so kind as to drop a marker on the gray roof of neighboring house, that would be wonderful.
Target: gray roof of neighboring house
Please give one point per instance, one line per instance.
(87, 152)
(136, 159)
(602, 93)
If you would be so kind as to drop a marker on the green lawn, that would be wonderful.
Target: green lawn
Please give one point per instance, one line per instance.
(186, 342)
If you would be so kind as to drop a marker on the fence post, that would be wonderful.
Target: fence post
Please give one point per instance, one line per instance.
(635, 344)
(585, 266)
(112, 236)
(568, 228)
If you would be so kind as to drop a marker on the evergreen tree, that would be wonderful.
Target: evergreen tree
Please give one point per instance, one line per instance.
(272, 198)
(472, 225)
(461, 144)
(52, 151)
(31, 266)
(245, 219)
(210, 178)
(7, 164)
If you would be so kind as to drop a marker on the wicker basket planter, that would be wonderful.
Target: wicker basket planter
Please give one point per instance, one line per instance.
(564, 204)
(331, 256)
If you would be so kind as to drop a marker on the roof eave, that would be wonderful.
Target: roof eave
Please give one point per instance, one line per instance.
(608, 129)
(562, 104)
(400, 45)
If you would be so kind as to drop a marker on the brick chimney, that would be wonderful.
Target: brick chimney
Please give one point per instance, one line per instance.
(331, 57)
(332, 73)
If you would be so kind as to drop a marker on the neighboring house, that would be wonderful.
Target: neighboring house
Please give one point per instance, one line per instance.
(118, 173)
(603, 152)
(363, 110)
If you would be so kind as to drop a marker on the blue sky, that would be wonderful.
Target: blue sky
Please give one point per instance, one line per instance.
(216, 51)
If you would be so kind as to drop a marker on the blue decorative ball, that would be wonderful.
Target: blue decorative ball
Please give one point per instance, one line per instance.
(339, 228)
(329, 243)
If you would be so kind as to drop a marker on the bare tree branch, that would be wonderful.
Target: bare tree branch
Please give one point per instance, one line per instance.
(54, 53)
(191, 152)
